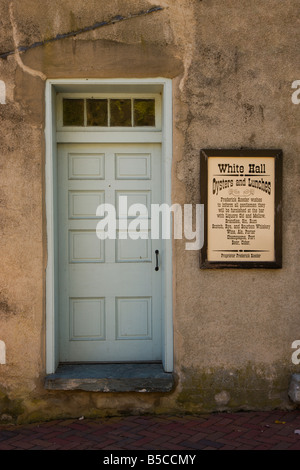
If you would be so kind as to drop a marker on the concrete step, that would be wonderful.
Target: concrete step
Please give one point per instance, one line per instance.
(121, 377)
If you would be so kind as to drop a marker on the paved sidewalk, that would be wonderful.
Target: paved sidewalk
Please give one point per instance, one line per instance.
(276, 430)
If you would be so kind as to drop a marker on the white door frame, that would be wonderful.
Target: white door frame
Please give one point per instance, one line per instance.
(52, 87)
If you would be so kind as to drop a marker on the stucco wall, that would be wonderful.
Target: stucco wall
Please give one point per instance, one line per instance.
(232, 63)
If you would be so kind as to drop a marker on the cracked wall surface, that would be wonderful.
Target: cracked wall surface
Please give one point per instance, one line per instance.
(232, 63)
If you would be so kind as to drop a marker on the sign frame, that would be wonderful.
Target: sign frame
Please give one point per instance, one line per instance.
(255, 156)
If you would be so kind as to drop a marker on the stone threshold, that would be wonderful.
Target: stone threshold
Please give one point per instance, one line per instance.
(121, 377)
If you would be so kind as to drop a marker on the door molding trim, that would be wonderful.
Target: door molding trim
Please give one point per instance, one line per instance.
(52, 87)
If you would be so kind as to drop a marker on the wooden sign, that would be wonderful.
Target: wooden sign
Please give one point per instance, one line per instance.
(241, 192)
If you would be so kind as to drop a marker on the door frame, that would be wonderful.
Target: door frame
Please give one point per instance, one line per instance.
(53, 86)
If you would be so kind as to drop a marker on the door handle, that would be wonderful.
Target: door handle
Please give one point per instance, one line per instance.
(156, 253)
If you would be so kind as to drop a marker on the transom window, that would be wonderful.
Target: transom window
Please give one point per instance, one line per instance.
(109, 111)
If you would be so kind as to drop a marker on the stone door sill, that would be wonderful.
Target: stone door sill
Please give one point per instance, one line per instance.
(143, 377)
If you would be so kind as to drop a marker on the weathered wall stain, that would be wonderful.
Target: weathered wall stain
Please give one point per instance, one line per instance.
(10, 409)
(5, 308)
(234, 389)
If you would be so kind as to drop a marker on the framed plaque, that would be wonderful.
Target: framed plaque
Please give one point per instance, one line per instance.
(241, 191)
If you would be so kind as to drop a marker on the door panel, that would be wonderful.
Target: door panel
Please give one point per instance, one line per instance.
(109, 291)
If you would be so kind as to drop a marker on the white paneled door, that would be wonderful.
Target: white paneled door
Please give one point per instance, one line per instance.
(110, 293)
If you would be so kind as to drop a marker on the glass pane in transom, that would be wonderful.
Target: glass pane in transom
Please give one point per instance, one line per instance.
(120, 112)
(97, 112)
(73, 112)
(144, 112)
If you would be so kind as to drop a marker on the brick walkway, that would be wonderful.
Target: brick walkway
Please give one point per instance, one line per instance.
(222, 431)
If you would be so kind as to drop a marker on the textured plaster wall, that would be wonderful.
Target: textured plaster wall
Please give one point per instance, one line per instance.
(238, 94)
(232, 63)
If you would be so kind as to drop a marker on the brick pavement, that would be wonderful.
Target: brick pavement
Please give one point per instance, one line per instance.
(218, 431)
